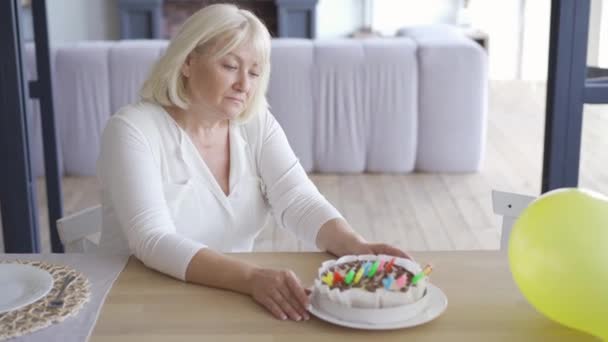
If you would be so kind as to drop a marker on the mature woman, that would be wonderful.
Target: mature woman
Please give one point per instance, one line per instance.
(195, 168)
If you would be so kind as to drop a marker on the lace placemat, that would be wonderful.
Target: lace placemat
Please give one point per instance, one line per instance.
(39, 315)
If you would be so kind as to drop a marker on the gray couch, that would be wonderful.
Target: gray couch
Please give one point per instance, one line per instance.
(387, 105)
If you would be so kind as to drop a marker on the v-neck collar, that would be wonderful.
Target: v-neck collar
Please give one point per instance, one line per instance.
(193, 158)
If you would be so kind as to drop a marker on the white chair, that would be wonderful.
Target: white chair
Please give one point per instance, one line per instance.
(80, 232)
(509, 205)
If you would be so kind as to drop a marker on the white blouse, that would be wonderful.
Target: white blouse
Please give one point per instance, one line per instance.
(162, 203)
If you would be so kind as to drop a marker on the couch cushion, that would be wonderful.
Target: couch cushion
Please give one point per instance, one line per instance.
(82, 102)
(365, 100)
(130, 64)
(452, 101)
(290, 94)
(444, 32)
(391, 96)
(340, 116)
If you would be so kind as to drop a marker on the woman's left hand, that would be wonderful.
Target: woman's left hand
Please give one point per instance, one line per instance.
(337, 237)
(381, 248)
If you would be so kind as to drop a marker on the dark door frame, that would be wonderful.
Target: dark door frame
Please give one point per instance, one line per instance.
(568, 90)
(17, 185)
(44, 93)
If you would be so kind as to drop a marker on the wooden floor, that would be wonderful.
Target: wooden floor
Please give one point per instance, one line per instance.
(433, 211)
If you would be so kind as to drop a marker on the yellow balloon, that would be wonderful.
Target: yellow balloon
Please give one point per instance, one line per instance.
(558, 254)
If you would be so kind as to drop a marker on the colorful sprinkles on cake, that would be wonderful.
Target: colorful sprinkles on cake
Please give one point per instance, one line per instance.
(372, 275)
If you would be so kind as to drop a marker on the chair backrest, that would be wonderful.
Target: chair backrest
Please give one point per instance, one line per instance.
(509, 205)
(80, 232)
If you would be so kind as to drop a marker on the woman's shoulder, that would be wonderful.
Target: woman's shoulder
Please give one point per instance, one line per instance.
(258, 126)
(140, 112)
(144, 117)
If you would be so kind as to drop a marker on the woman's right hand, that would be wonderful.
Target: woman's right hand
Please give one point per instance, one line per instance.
(281, 292)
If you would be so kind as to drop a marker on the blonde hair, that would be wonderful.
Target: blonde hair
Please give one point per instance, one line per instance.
(215, 30)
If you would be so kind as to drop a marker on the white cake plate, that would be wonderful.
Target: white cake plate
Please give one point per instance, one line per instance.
(438, 302)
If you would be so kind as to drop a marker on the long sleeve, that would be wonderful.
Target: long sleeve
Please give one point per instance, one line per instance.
(295, 201)
(131, 176)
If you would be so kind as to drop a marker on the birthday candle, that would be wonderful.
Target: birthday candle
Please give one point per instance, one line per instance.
(373, 269)
(427, 269)
(425, 272)
(400, 282)
(328, 279)
(338, 277)
(389, 267)
(381, 266)
(366, 268)
(395, 286)
(350, 276)
(387, 281)
(359, 275)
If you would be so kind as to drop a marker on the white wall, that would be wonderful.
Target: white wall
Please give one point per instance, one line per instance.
(388, 16)
(602, 59)
(595, 17)
(537, 23)
(74, 20)
(535, 57)
(338, 18)
(501, 20)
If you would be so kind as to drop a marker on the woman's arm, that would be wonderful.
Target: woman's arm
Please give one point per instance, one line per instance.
(297, 204)
(214, 269)
(337, 237)
(131, 177)
(279, 291)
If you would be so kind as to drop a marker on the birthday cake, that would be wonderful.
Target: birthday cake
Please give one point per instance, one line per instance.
(372, 289)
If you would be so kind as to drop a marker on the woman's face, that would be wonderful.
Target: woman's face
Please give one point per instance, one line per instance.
(222, 87)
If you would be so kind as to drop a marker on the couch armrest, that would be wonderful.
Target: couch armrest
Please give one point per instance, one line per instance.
(453, 81)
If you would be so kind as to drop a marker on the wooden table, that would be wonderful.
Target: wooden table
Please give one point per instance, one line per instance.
(484, 305)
